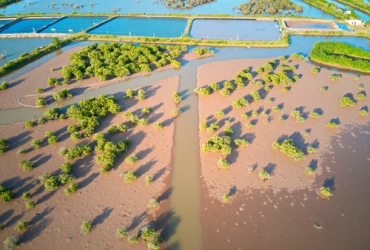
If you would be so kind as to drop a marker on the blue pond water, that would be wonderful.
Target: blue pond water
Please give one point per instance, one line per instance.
(313, 26)
(158, 27)
(4, 22)
(23, 45)
(28, 25)
(76, 24)
(235, 29)
(143, 6)
(343, 27)
(362, 15)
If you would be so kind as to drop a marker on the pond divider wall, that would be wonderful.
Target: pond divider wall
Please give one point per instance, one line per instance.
(99, 24)
(310, 21)
(52, 23)
(9, 24)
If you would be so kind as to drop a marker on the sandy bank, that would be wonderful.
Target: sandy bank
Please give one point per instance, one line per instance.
(106, 200)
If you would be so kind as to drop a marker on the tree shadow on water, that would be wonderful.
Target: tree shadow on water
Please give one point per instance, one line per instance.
(165, 195)
(168, 223)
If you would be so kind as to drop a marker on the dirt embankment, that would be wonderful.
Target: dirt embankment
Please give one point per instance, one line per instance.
(106, 200)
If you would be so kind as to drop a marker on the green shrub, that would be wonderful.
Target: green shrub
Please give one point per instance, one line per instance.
(276, 109)
(3, 145)
(203, 51)
(41, 120)
(326, 191)
(153, 203)
(288, 148)
(240, 102)
(228, 85)
(30, 204)
(26, 195)
(219, 113)
(121, 232)
(53, 139)
(295, 113)
(300, 119)
(223, 163)
(53, 81)
(263, 113)
(176, 112)
(145, 111)
(324, 89)
(363, 112)
(121, 127)
(141, 94)
(26, 165)
(65, 178)
(256, 96)
(357, 77)
(51, 114)
(112, 130)
(21, 226)
(361, 96)
(151, 237)
(226, 197)
(228, 131)
(73, 128)
(225, 92)
(345, 101)
(39, 90)
(50, 182)
(62, 94)
(72, 188)
(75, 136)
(148, 180)
(132, 239)
(203, 126)
(241, 142)
(332, 124)
(361, 86)
(244, 116)
(11, 243)
(335, 77)
(129, 176)
(86, 226)
(315, 70)
(5, 194)
(143, 121)
(158, 125)
(66, 167)
(309, 170)
(281, 119)
(176, 97)
(29, 124)
(218, 143)
(202, 91)
(130, 93)
(131, 159)
(264, 175)
(297, 56)
(40, 102)
(215, 86)
(314, 114)
(285, 89)
(267, 89)
(249, 125)
(4, 86)
(311, 149)
(36, 143)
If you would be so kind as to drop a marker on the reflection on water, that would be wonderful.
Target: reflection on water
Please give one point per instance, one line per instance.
(73, 24)
(235, 29)
(28, 26)
(156, 27)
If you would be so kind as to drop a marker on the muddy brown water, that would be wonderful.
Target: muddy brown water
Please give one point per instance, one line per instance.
(266, 227)
(301, 220)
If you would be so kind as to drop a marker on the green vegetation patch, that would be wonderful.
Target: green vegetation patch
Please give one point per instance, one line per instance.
(218, 143)
(288, 148)
(341, 55)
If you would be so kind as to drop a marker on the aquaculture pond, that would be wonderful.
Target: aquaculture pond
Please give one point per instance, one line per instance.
(28, 25)
(143, 6)
(23, 45)
(156, 27)
(313, 26)
(73, 24)
(4, 22)
(343, 26)
(235, 29)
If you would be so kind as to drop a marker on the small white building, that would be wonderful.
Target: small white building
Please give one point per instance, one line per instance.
(354, 22)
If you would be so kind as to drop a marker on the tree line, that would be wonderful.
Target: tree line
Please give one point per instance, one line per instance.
(268, 7)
